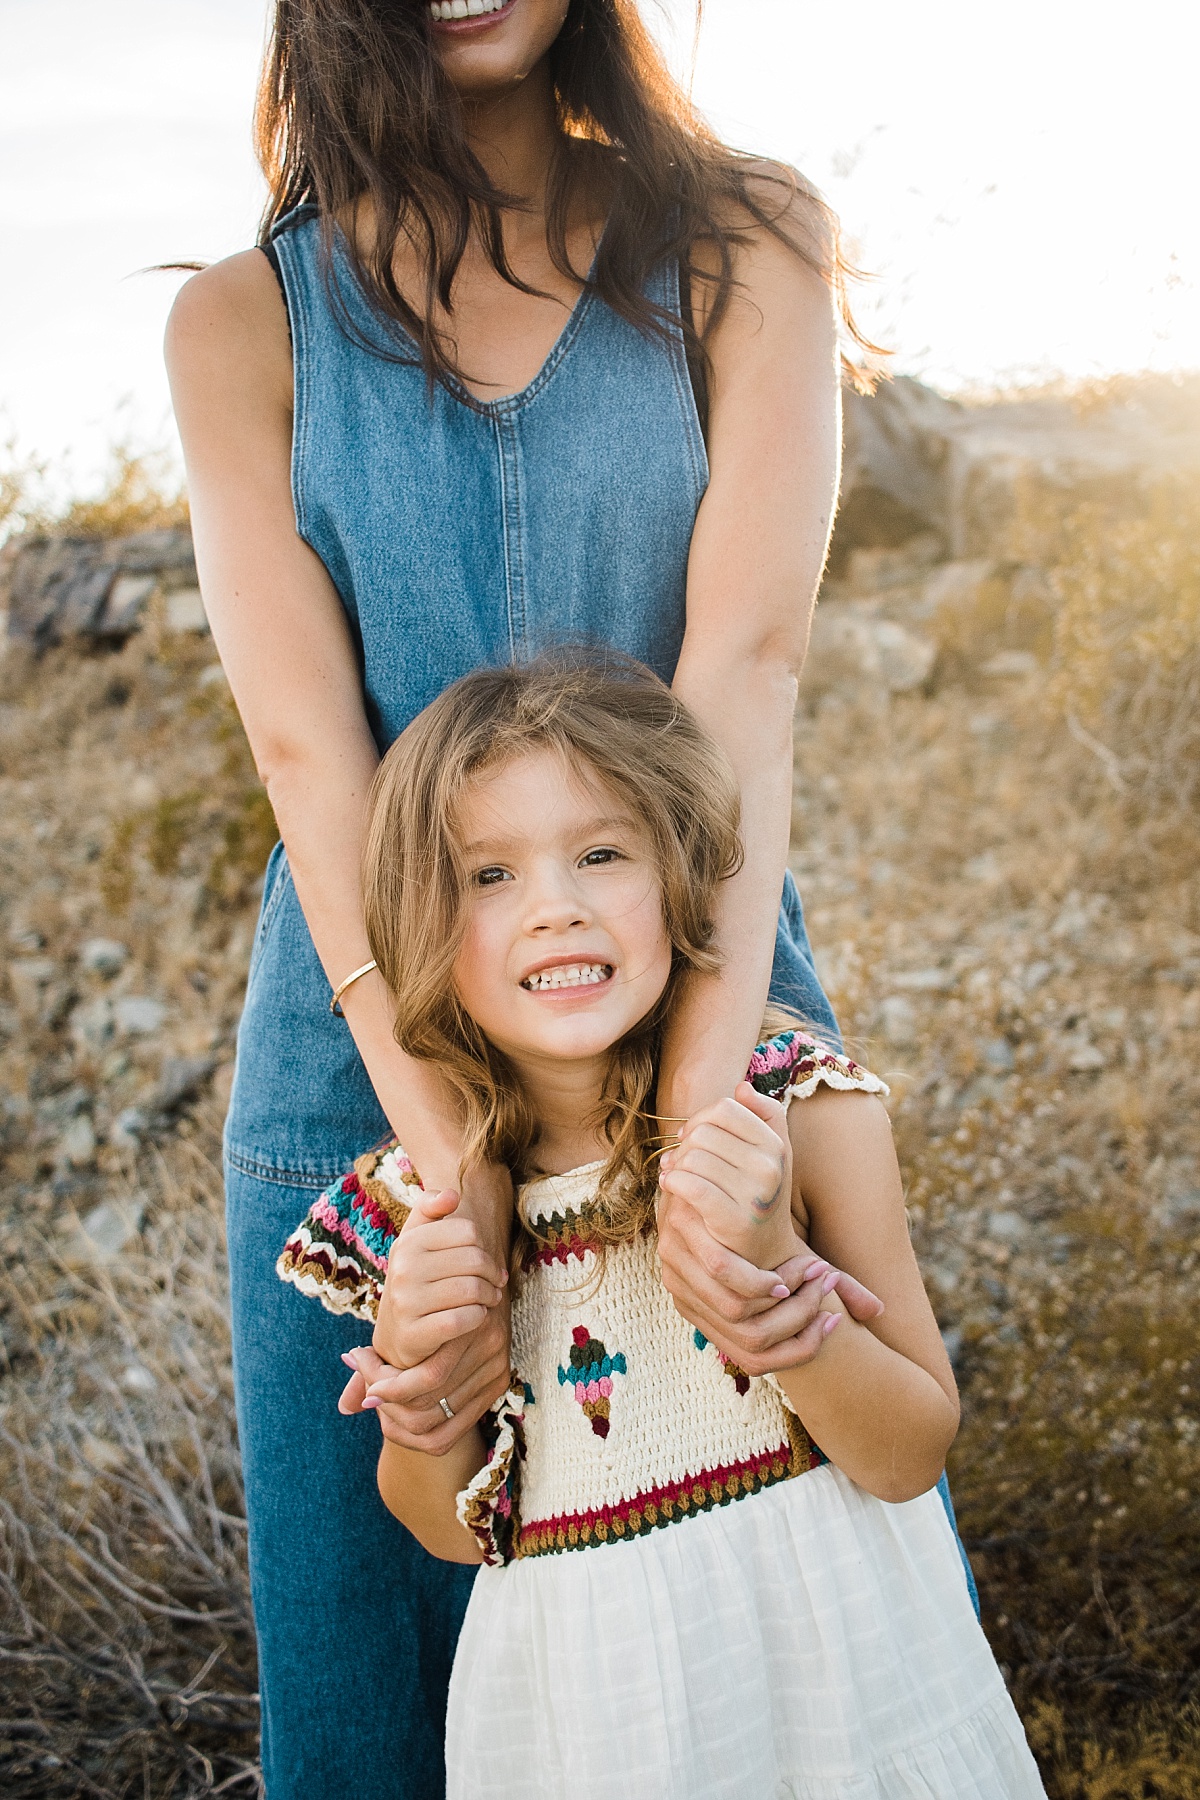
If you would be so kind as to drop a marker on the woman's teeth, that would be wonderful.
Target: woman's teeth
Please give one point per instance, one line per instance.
(574, 975)
(464, 9)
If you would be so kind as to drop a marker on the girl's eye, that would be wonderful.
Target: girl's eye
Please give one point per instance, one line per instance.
(491, 877)
(597, 858)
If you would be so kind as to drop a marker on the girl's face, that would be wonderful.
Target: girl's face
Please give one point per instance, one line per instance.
(488, 47)
(565, 947)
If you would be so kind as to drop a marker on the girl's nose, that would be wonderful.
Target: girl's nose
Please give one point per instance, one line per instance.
(555, 904)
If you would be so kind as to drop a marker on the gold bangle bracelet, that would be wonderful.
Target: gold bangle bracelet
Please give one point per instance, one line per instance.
(335, 1003)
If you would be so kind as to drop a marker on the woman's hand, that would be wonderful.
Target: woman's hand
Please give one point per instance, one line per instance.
(442, 1332)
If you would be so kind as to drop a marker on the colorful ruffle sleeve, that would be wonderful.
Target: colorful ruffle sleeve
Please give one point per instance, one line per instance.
(487, 1506)
(338, 1254)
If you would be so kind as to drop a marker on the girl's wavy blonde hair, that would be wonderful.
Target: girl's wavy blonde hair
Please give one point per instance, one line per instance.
(607, 718)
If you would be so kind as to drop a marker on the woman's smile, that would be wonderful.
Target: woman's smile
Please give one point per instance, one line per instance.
(468, 13)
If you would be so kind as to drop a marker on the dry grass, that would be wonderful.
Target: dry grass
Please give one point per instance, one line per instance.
(1014, 938)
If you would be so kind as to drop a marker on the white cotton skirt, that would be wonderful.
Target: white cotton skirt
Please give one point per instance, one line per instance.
(807, 1641)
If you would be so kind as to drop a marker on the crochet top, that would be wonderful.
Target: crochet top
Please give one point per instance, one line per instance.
(621, 1417)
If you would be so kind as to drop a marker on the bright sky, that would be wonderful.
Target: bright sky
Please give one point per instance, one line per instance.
(1022, 180)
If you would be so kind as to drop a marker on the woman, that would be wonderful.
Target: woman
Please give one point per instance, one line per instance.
(482, 421)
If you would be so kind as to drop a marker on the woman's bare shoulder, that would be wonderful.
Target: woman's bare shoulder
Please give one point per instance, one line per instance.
(229, 321)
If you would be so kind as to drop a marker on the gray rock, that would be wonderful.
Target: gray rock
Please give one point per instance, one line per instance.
(103, 956)
(1083, 1057)
(185, 610)
(212, 677)
(137, 1380)
(92, 1026)
(138, 1015)
(851, 650)
(128, 1128)
(181, 1079)
(62, 587)
(997, 1053)
(1007, 1227)
(108, 1228)
(952, 1338)
(77, 1145)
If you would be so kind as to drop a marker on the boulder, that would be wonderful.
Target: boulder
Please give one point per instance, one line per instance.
(58, 588)
(916, 463)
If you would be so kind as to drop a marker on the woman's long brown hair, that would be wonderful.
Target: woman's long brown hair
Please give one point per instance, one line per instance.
(355, 107)
(609, 719)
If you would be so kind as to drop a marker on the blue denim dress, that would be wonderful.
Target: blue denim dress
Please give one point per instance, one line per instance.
(457, 534)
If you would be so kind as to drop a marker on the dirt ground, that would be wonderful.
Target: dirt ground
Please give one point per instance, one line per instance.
(1007, 938)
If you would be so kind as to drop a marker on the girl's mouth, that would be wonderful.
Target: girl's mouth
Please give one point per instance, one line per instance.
(567, 975)
(468, 12)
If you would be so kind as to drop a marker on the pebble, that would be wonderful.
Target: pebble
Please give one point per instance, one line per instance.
(139, 1015)
(997, 1053)
(1007, 1227)
(109, 1227)
(92, 1026)
(103, 956)
(181, 1079)
(77, 1145)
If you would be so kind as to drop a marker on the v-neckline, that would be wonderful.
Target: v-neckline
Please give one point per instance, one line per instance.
(504, 403)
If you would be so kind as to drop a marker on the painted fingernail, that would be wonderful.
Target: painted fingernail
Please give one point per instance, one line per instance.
(831, 1324)
(371, 1402)
(829, 1283)
(349, 1361)
(781, 1291)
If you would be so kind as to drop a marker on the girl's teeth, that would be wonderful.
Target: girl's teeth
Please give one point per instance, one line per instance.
(573, 975)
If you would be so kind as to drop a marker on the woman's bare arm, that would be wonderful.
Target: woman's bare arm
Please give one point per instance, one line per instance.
(880, 1398)
(285, 643)
(758, 550)
(757, 553)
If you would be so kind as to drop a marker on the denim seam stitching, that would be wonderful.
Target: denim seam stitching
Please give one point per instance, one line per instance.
(261, 1171)
(294, 288)
(685, 393)
(510, 527)
(283, 879)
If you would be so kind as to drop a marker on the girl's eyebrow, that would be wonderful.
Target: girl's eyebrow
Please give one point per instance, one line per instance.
(589, 828)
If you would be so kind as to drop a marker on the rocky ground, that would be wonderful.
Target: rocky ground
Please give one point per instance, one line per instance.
(1005, 911)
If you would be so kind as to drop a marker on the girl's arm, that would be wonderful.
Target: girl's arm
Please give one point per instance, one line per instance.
(420, 1490)
(758, 549)
(286, 646)
(880, 1398)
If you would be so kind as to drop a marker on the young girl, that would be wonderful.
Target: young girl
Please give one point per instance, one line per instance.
(699, 1584)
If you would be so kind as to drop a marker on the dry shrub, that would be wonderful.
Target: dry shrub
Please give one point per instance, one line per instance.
(1127, 644)
(138, 491)
(126, 1643)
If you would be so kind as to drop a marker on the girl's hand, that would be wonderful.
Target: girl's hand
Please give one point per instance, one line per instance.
(734, 1166)
(441, 1284)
